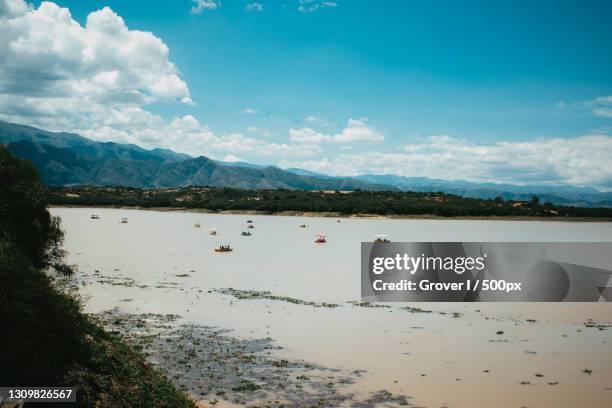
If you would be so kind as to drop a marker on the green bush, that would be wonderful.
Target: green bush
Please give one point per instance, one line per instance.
(45, 338)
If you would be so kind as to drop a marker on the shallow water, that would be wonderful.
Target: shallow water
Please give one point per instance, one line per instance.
(433, 358)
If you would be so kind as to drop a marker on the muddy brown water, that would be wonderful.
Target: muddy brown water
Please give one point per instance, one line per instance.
(160, 263)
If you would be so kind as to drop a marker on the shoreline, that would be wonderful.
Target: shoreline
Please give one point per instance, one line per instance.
(346, 216)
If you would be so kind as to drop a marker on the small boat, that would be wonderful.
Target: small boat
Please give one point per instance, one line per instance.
(123, 220)
(382, 239)
(224, 248)
(246, 233)
(320, 239)
(95, 217)
(303, 226)
(250, 226)
(212, 231)
(197, 225)
(249, 221)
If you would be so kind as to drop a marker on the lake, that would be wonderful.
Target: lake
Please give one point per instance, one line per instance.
(160, 263)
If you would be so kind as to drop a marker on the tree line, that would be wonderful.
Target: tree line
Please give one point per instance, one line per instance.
(389, 203)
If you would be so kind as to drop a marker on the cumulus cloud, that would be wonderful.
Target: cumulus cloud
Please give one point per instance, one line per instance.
(54, 72)
(13, 8)
(308, 135)
(187, 135)
(582, 161)
(254, 7)
(202, 5)
(97, 80)
(356, 130)
(308, 6)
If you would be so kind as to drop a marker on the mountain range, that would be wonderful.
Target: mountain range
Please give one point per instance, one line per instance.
(68, 159)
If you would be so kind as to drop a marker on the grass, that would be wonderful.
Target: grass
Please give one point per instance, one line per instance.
(115, 374)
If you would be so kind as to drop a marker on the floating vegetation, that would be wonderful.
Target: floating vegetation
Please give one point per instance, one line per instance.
(255, 294)
(415, 310)
(281, 363)
(382, 397)
(367, 304)
(213, 366)
(116, 280)
(246, 386)
(599, 326)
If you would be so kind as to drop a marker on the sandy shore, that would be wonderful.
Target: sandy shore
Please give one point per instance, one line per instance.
(352, 216)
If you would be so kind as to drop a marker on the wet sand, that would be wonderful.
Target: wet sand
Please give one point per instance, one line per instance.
(288, 315)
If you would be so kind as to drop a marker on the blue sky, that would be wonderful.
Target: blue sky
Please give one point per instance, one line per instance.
(350, 87)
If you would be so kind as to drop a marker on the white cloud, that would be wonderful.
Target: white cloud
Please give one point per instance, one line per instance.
(307, 135)
(254, 7)
(355, 131)
(239, 143)
(202, 5)
(607, 100)
(308, 6)
(232, 159)
(358, 130)
(582, 161)
(259, 130)
(51, 66)
(97, 79)
(317, 120)
(600, 106)
(255, 112)
(187, 135)
(13, 8)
